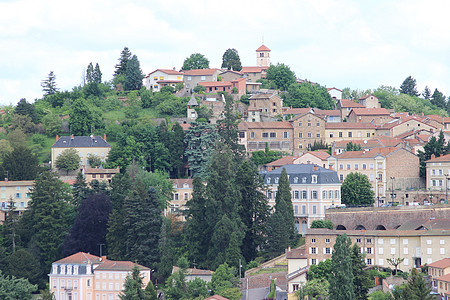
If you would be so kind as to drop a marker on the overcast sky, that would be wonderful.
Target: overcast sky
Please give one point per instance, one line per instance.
(342, 43)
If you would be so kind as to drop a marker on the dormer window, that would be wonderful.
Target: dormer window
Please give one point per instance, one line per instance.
(185, 185)
(75, 270)
(303, 179)
(69, 270)
(55, 269)
(63, 269)
(276, 179)
(295, 179)
(314, 179)
(268, 180)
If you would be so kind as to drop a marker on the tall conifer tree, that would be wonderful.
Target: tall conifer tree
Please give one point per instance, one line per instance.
(341, 277)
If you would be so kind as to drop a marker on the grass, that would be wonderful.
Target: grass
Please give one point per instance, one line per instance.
(270, 270)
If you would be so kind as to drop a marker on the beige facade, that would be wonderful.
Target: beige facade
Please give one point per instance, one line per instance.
(345, 106)
(268, 104)
(440, 275)
(438, 173)
(376, 116)
(16, 191)
(369, 101)
(411, 124)
(319, 158)
(255, 135)
(182, 193)
(297, 270)
(416, 247)
(346, 131)
(102, 175)
(84, 145)
(83, 276)
(308, 129)
(193, 77)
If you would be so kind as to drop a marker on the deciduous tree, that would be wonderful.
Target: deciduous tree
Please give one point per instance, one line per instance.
(196, 61)
(231, 60)
(281, 75)
(356, 190)
(322, 224)
(15, 288)
(68, 160)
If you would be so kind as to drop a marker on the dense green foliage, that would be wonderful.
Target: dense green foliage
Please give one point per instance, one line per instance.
(68, 160)
(436, 147)
(361, 279)
(308, 95)
(341, 276)
(408, 87)
(357, 190)
(231, 60)
(195, 61)
(322, 224)
(134, 288)
(12, 288)
(261, 158)
(416, 288)
(281, 76)
(353, 147)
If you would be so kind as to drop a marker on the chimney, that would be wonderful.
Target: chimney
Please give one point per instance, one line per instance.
(104, 258)
(316, 168)
(104, 137)
(433, 156)
(57, 137)
(72, 137)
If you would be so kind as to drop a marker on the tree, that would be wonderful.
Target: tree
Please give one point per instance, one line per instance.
(94, 161)
(225, 283)
(26, 109)
(426, 94)
(97, 75)
(49, 84)
(21, 164)
(356, 190)
(261, 158)
(281, 228)
(196, 61)
(380, 295)
(82, 119)
(320, 271)
(68, 160)
(361, 279)
(313, 289)
(12, 288)
(395, 262)
(353, 147)
(231, 60)
(416, 288)
(22, 264)
(281, 75)
(90, 226)
(134, 287)
(341, 276)
(133, 75)
(408, 87)
(436, 147)
(200, 139)
(322, 224)
(90, 73)
(121, 67)
(308, 95)
(254, 209)
(438, 99)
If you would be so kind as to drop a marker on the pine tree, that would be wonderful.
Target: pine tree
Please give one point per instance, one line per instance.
(143, 225)
(408, 87)
(176, 149)
(166, 249)
(97, 74)
(231, 60)
(438, 99)
(341, 277)
(281, 228)
(90, 73)
(417, 288)
(426, 93)
(21, 164)
(254, 209)
(361, 279)
(121, 67)
(133, 75)
(49, 84)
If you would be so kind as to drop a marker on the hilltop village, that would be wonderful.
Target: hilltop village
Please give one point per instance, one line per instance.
(224, 183)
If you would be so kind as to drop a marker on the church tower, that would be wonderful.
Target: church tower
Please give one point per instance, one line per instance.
(263, 56)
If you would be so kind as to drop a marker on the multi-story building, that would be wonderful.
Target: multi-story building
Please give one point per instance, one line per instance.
(297, 269)
(388, 168)
(308, 129)
(346, 131)
(161, 78)
(440, 270)
(83, 276)
(268, 104)
(17, 192)
(376, 116)
(182, 193)
(193, 77)
(438, 173)
(84, 145)
(443, 286)
(255, 135)
(415, 247)
(369, 101)
(345, 106)
(100, 174)
(314, 189)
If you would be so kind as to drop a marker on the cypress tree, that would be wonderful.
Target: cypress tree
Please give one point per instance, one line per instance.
(361, 279)
(121, 67)
(341, 277)
(133, 75)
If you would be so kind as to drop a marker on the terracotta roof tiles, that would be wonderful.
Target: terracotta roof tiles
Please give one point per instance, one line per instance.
(268, 125)
(371, 111)
(200, 72)
(263, 48)
(349, 125)
(346, 103)
(444, 278)
(282, 161)
(112, 265)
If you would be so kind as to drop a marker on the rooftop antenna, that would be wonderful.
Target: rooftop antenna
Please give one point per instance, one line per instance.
(101, 247)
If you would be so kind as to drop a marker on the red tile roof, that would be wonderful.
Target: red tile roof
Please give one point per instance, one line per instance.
(111, 265)
(198, 72)
(263, 48)
(215, 83)
(443, 158)
(216, 297)
(367, 154)
(185, 126)
(267, 125)
(349, 125)
(287, 160)
(349, 103)
(253, 69)
(296, 253)
(167, 71)
(371, 111)
(327, 112)
(444, 278)
(367, 96)
(441, 264)
(80, 258)
(262, 96)
(333, 88)
(297, 111)
(319, 154)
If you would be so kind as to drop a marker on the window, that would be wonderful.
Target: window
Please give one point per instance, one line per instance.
(371, 166)
(313, 261)
(324, 194)
(252, 135)
(303, 179)
(429, 251)
(304, 194)
(349, 134)
(327, 240)
(405, 241)
(300, 135)
(309, 124)
(392, 241)
(369, 261)
(303, 209)
(380, 241)
(392, 250)
(330, 195)
(203, 78)
(175, 196)
(300, 124)
(186, 196)
(348, 166)
(318, 135)
(428, 242)
(269, 194)
(380, 250)
(313, 194)
(405, 251)
(356, 166)
(341, 167)
(265, 135)
(327, 250)
(313, 240)
(295, 287)
(295, 179)
(273, 134)
(369, 241)
(17, 195)
(340, 134)
(369, 250)
(318, 124)
(314, 210)
(286, 135)
(313, 250)
(276, 180)
(368, 134)
(314, 179)
(364, 166)
(296, 209)
(341, 177)
(309, 134)
(358, 241)
(296, 195)
(94, 175)
(331, 135)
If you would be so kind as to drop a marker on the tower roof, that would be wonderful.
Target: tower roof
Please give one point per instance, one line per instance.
(263, 48)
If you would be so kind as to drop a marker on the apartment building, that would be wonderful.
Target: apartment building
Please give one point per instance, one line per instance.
(84, 145)
(268, 104)
(255, 135)
(438, 173)
(386, 168)
(193, 77)
(17, 192)
(308, 129)
(183, 190)
(83, 276)
(314, 189)
(347, 131)
(376, 116)
(416, 247)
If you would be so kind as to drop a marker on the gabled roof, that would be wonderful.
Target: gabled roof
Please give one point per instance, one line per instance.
(80, 142)
(306, 113)
(262, 96)
(297, 273)
(167, 71)
(253, 69)
(382, 151)
(194, 271)
(299, 253)
(267, 125)
(216, 297)
(372, 143)
(101, 171)
(231, 71)
(192, 101)
(297, 111)
(371, 112)
(17, 183)
(333, 88)
(80, 258)
(444, 278)
(327, 112)
(200, 72)
(441, 264)
(300, 171)
(263, 48)
(319, 154)
(443, 158)
(287, 160)
(367, 96)
(346, 103)
(112, 265)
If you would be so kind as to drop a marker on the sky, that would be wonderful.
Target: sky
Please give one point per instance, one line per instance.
(336, 43)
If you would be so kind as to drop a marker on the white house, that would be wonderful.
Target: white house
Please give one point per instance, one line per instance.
(161, 78)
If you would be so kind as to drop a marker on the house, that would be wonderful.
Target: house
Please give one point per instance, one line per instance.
(100, 174)
(319, 158)
(369, 101)
(437, 173)
(84, 276)
(398, 127)
(386, 168)
(230, 75)
(330, 116)
(286, 160)
(367, 145)
(162, 77)
(183, 189)
(255, 135)
(216, 297)
(417, 246)
(345, 106)
(346, 131)
(297, 270)
(193, 77)
(443, 286)
(376, 116)
(439, 268)
(193, 273)
(270, 105)
(314, 189)
(295, 112)
(308, 130)
(17, 192)
(225, 86)
(84, 145)
(335, 93)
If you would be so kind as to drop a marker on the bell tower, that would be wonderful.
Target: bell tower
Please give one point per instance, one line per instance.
(263, 56)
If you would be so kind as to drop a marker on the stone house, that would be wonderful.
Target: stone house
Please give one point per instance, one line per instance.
(346, 131)
(255, 135)
(376, 116)
(308, 129)
(369, 101)
(345, 106)
(268, 104)
(437, 269)
(230, 75)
